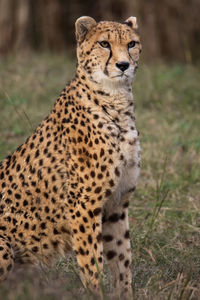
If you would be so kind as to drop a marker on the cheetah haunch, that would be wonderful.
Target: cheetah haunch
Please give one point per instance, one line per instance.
(68, 186)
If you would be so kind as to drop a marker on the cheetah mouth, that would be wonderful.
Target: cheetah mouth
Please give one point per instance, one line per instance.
(120, 76)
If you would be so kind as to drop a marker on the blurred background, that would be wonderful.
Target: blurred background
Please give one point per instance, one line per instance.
(170, 30)
(37, 58)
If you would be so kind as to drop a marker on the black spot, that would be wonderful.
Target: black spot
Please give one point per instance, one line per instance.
(119, 243)
(46, 209)
(31, 145)
(10, 178)
(81, 159)
(99, 237)
(17, 196)
(55, 244)
(63, 229)
(121, 256)
(100, 176)
(102, 152)
(2, 228)
(35, 238)
(108, 193)
(81, 251)
(108, 238)
(33, 227)
(132, 190)
(55, 231)
(9, 267)
(126, 263)
(43, 225)
(111, 183)
(90, 213)
(123, 215)
(95, 116)
(89, 239)
(35, 249)
(85, 219)
(127, 235)
(83, 205)
(117, 173)
(98, 190)
(26, 225)
(92, 261)
(103, 168)
(95, 156)
(46, 195)
(18, 167)
(113, 218)
(23, 151)
(37, 153)
(21, 235)
(78, 214)
(97, 211)
(126, 204)
(100, 259)
(92, 174)
(100, 125)
(96, 101)
(5, 256)
(111, 254)
(82, 228)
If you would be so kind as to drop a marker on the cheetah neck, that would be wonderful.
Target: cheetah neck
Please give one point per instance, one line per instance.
(113, 98)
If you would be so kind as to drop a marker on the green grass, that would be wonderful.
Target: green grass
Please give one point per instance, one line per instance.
(165, 211)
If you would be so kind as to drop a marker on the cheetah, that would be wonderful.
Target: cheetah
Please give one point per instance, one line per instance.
(68, 186)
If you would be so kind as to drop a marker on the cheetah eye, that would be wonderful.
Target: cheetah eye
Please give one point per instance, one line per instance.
(104, 44)
(131, 44)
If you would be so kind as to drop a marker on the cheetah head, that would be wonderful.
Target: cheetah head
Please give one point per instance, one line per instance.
(108, 52)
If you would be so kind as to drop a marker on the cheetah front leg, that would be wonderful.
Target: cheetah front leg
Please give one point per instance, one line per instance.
(88, 246)
(116, 246)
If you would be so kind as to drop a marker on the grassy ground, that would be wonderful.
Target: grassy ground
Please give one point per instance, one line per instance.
(165, 211)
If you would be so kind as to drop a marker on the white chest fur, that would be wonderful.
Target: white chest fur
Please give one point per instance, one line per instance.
(118, 123)
(130, 167)
(126, 137)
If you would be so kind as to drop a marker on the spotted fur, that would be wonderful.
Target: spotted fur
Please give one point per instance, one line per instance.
(68, 186)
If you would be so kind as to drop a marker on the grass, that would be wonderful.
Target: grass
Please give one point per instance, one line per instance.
(165, 210)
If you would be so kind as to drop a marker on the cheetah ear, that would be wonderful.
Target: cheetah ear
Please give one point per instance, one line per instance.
(132, 22)
(83, 25)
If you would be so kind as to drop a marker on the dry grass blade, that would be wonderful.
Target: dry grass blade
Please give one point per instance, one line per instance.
(20, 116)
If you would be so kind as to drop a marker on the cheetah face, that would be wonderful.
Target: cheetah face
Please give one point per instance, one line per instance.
(108, 51)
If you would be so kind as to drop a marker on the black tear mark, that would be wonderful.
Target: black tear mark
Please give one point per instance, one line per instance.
(131, 57)
(106, 66)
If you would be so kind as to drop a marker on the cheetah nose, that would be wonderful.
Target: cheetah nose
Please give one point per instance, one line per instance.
(122, 65)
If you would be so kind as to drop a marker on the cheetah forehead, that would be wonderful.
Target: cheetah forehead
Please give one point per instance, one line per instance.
(113, 31)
